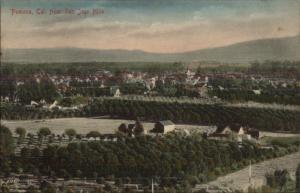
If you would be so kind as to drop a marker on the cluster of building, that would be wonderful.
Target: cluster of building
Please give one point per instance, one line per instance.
(199, 82)
(237, 132)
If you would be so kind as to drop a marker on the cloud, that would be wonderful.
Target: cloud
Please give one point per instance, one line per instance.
(166, 30)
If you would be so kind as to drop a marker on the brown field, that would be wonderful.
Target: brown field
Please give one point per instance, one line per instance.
(81, 125)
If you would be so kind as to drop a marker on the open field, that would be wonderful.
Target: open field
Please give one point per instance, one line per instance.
(273, 134)
(240, 180)
(81, 125)
(103, 125)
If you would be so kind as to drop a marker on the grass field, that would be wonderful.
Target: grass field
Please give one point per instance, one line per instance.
(81, 125)
(282, 141)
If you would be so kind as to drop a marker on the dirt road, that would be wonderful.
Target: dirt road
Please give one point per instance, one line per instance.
(240, 180)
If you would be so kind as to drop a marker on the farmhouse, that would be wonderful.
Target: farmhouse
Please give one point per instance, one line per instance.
(115, 91)
(240, 132)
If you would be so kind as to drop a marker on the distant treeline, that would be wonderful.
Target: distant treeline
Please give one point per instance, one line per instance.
(285, 69)
(288, 69)
(89, 68)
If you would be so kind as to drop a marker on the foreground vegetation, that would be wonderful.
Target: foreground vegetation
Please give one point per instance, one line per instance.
(176, 161)
(176, 155)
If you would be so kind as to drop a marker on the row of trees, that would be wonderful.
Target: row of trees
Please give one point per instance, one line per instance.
(174, 155)
(279, 96)
(285, 69)
(172, 159)
(19, 112)
(84, 69)
(260, 118)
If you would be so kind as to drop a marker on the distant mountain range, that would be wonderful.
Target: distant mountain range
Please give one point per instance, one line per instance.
(287, 48)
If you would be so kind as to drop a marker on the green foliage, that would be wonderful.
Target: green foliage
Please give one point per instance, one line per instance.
(6, 142)
(21, 132)
(278, 179)
(298, 179)
(182, 157)
(241, 89)
(36, 91)
(285, 69)
(260, 118)
(44, 131)
(81, 69)
(133, 88)
(284, 141)
(70, 132)
(31, 189)
(93, 134)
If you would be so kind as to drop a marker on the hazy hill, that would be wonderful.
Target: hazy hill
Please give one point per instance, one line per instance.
(265, 49)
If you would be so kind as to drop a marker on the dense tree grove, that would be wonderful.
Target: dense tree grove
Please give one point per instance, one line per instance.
(29, 90)
(174, 155)
(241, 89)
(279, 96)
(260, 118)
(36, 91)
(6, 142)
(204, 114)
(6, 149)
(18, 111)
(298, 178)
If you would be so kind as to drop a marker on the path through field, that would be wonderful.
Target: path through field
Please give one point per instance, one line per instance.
(240, 180)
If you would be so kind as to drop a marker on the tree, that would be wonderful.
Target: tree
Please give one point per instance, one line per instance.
(35, 152)
(93, 134)
(66, 102)
(79, 174)
(4, 189)
(49, 189)
(25, 152)
(123, 128)
(44, 131)
(298, 179)
(70, 132)
(31, 189)
(139, 128)
(21, 132)
(6, 141)
(70, 190)
(278, 179)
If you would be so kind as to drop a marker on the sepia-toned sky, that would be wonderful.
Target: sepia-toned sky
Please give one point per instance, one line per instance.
(149, 25)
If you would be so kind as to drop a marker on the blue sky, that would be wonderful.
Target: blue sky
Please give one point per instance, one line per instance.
(150, 25)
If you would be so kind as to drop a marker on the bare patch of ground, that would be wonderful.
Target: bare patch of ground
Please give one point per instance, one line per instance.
(240, 180)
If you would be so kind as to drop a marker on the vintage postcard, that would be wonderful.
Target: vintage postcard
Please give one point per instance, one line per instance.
(150, 96)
